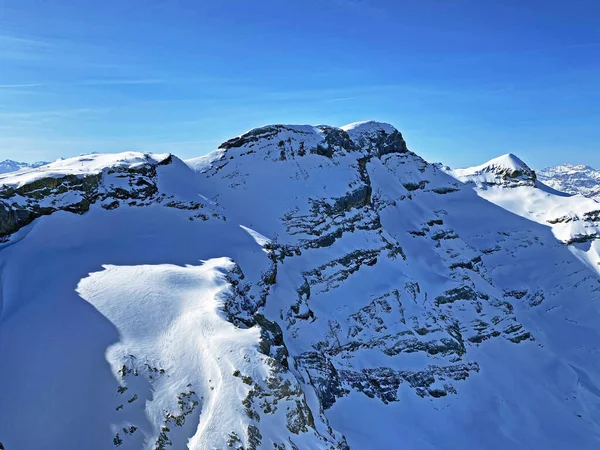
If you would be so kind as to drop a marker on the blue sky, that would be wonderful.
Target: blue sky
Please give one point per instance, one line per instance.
(464, 80)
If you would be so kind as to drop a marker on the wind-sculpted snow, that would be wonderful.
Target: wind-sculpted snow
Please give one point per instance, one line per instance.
(302, 287)
(191, 374)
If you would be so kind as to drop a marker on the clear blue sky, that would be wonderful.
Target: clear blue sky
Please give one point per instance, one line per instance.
(464, 80)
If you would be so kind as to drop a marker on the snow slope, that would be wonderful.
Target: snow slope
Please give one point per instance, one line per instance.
(574, 179)
(302, 287)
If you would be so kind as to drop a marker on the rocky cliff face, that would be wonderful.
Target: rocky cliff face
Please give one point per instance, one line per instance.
(350, 295)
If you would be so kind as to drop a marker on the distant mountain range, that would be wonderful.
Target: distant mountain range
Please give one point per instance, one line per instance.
(569, 178)
(9, 165)
(573, 179)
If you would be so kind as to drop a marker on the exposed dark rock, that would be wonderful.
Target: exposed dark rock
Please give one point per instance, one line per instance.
(323, 376)
(380, 143)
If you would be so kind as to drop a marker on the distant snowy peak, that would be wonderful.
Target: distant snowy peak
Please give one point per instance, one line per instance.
(569, 168)
(506, 170)
(573, 179)
(9, 165)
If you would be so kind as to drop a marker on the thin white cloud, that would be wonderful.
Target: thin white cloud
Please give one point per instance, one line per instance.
(51, 113)
(23, 42)
(340, 99)
(583, 45)
(500, 90)
(363, 7)
(352, 3)
(18, 86)
(25, 48)
(124, 81)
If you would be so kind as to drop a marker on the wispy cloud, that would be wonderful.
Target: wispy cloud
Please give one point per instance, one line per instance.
(362, 6)
(582, 45)
(340, 99)
(123, 81)
(352, 3)
(51, 113)
(500, 90)
(64, 53)
(24, 42)
(24, 48)
(141, 81)
(18, 86)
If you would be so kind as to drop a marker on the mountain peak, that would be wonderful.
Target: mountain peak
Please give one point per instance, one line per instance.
(507, 170)
(369, 126)
(268, 133)
(291, 141)
(508, 161)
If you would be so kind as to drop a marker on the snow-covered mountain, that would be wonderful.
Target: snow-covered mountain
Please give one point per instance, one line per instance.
(9, 165)
(506, 170)
(574, 219)
(299, 288)
(510, 183)
(573, 179)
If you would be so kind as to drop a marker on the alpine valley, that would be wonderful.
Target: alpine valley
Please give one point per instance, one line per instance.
(301, 287)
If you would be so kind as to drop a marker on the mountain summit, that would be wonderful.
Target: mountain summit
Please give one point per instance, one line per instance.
(301, 287)
(506, 170)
